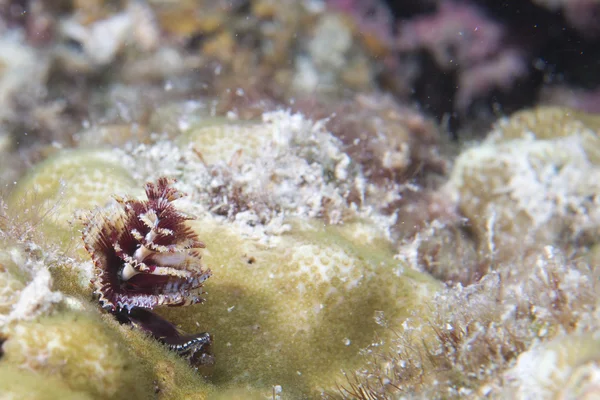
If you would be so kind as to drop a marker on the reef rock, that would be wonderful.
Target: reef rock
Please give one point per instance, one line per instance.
(533, 182)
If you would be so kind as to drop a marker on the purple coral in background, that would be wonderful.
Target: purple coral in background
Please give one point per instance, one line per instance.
(461, 37)
(456, 34)
(460, 58)
(498, 72)
(465, 43)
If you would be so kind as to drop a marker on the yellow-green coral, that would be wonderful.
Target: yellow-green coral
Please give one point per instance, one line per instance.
(220, 139)
(97, 358)
(297, 313)
(171, 375)
(292, 302)
(72, 180)
(548, 123)
(77, 347)
(16, 383)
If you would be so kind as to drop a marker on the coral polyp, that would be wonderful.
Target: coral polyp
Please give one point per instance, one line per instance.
(145, 256)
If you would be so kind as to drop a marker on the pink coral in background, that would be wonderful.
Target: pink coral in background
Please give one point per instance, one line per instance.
(498, 72)
(458, 33)
(461, 37)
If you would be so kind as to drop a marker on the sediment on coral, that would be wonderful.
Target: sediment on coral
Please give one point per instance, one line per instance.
(255, 173)
(26, 285)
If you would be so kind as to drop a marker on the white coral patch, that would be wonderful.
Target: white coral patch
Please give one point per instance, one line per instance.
(34, 299)
(548, 369)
